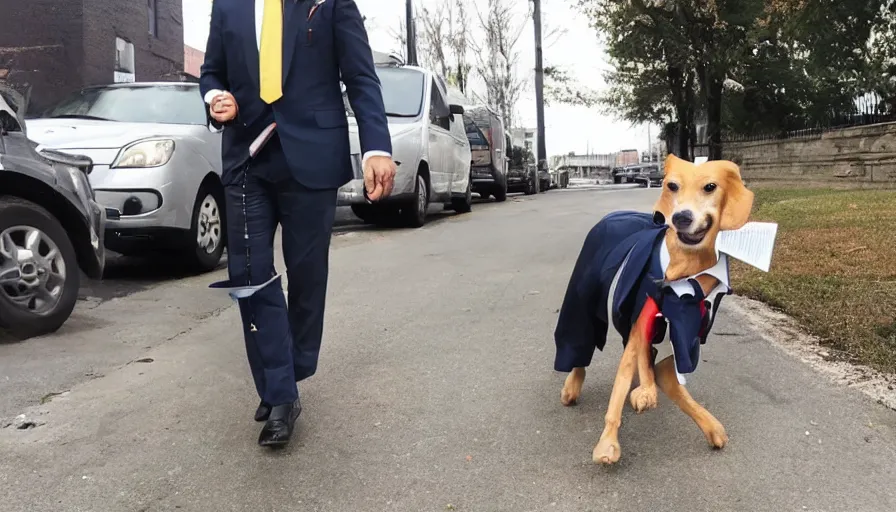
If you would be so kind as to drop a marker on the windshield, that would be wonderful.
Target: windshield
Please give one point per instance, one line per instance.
(164, 104)
(402, 91)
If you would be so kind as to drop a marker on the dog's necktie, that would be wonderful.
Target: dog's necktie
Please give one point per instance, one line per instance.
(270, 55)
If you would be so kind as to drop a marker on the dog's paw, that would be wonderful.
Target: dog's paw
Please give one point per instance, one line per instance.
(568, 397)
(606, 452)
(572, 388)
(716, 436)
(643, 398)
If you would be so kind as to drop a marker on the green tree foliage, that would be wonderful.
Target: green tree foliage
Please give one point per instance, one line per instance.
(786, 63)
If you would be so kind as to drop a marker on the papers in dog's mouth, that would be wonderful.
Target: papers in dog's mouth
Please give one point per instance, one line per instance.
(752, 244)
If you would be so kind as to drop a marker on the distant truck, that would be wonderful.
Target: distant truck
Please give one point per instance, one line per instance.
(627, 157)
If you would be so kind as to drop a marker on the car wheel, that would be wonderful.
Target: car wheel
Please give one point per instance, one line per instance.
(501, 192)
(464, 204)
(207, 239)
(483, 195)
(530, 187)
(414, 214)
(39, 274)
(365, 212)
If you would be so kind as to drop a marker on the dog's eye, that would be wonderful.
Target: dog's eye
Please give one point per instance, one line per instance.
(672, 186)
(710, 188)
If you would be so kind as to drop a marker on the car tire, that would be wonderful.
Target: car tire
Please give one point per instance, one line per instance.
(484, 195)
(366, 212)
(413, 214)
(208, 227)
(464, 204)
(16, 216)
(531, 185)
(501, 192)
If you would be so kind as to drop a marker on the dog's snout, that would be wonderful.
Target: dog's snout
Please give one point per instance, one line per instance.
(682, 220)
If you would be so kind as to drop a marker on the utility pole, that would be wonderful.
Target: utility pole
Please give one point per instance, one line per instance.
(539, 88)
(412, 32)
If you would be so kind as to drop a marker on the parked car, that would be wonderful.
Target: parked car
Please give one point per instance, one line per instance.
(485, 131)
(155, 162)
(429, 146)
(522, 176)
(51, 227)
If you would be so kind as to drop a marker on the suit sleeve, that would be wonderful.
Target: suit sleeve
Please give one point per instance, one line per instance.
(359, 76)
(213, 74)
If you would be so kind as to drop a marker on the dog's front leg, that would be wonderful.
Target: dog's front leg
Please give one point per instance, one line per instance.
(643, 397)
(607, 450)
(572, 387)
(709, 425)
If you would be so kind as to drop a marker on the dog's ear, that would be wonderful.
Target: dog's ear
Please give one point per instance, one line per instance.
(671, 161)
(738, 198)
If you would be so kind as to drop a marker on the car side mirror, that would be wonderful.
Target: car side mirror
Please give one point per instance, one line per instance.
(456, 110)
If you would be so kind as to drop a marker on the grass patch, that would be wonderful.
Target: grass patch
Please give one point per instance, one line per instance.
(834, 267)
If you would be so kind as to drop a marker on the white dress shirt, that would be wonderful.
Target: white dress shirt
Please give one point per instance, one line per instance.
(259, 16)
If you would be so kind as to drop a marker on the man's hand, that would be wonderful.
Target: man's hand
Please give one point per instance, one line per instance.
(379, 177)
(223, 108)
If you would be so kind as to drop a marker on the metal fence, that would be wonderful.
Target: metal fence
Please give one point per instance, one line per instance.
(869, 109)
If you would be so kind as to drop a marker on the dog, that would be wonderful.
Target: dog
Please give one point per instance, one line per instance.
(646, 273)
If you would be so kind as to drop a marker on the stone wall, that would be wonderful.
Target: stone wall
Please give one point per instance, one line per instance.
(861, 156)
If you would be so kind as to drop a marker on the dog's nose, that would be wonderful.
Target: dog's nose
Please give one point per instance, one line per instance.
(682, 220)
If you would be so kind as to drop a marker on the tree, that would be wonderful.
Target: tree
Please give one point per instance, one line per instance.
(458, 23)
(789, 62)
(497, 56)
(653, 76)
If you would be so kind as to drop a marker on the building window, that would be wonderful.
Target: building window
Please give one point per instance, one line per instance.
(125, 70)
(153, 18)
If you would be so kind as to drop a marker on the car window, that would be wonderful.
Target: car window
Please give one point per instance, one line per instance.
(164, 104)
(439, 114)
(474, 134)
(402, 91)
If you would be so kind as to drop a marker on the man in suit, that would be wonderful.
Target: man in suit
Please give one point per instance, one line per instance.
(281, 61)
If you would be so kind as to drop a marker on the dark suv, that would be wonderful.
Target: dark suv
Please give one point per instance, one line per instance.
(50, 228)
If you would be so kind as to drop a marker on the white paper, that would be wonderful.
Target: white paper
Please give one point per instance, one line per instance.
(753, 244)
(261, 140)
(700, 159)
(244, 292)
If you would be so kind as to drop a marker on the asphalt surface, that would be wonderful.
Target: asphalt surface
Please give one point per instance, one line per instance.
(435, 392)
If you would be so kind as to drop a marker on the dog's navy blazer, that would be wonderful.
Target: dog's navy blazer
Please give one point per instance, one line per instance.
(632, 239)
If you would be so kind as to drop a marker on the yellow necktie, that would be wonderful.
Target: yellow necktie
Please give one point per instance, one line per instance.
(270, 55)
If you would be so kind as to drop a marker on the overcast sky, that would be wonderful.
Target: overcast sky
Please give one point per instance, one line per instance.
(577, 50)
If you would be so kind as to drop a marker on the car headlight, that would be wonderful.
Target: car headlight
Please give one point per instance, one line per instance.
(147, 153)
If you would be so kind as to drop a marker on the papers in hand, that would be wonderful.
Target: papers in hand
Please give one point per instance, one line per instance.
(242, 292)
(753, 244)
(261, 140)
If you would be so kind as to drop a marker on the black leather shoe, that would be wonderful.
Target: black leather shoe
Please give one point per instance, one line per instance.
(278, 430)
(263, 412)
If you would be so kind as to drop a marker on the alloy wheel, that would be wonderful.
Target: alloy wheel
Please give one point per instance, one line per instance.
(208, 232)
(32, 269)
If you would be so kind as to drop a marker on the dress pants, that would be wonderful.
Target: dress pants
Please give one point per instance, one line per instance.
(282, 339)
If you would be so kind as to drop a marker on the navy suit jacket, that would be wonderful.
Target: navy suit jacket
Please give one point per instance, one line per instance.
(311, 118)
(632, 238)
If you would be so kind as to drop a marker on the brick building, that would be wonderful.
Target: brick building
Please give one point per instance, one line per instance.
(193, 60)
(54, 47)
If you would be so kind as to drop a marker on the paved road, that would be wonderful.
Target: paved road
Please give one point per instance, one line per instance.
(435, 392)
